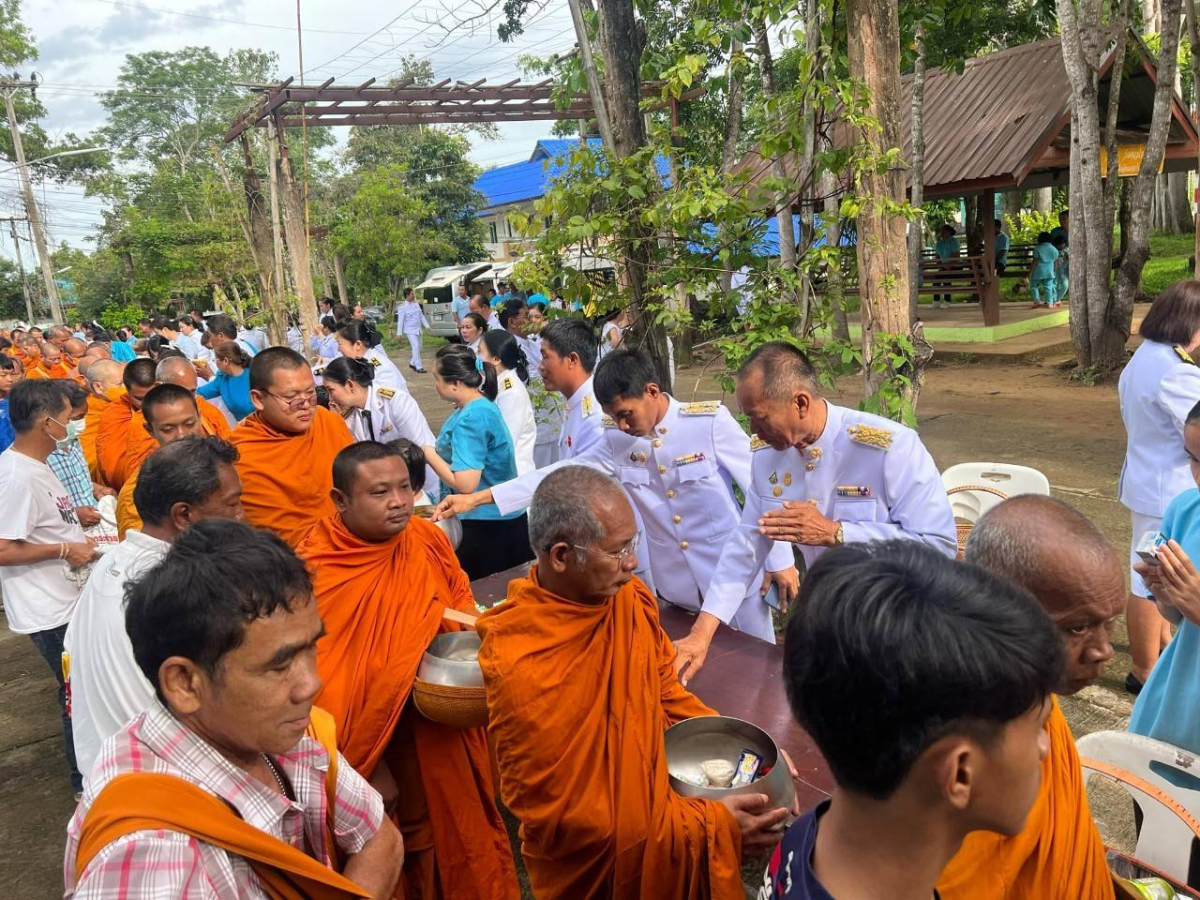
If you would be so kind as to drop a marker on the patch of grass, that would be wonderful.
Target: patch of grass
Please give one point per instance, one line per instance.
(1168, 261)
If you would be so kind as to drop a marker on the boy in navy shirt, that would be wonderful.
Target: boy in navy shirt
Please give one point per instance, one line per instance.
(926, 685)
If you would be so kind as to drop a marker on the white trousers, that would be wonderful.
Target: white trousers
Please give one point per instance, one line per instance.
(414, 341)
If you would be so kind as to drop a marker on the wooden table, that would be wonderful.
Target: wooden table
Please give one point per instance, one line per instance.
(742, 677)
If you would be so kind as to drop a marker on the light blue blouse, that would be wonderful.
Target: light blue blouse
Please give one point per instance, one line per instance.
(1168, 708)
(475, 437)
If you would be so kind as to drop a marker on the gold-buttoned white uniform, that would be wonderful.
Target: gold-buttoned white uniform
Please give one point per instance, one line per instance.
(389, 415)
(869, 473)
(680, 479)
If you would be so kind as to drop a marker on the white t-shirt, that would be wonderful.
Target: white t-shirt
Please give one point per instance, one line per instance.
(107, 687)
(515, 406)
(38, 509)
(606, 345)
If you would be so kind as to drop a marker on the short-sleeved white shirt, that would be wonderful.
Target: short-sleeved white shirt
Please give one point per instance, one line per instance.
(38, 509)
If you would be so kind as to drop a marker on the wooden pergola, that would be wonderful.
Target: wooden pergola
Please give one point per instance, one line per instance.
(287, 105)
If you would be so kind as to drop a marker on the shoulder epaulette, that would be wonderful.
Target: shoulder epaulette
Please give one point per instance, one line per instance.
(608, 421)
(870, 436)
(757, 443)
(377, 363)
(588, 405)
(507, 383)
(386, 393)
(701, 408)
(1184, 355)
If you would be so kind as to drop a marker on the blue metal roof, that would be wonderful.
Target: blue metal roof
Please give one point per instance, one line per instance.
(530, 179)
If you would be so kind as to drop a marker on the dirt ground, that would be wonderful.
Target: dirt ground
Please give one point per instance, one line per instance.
(1030, 414)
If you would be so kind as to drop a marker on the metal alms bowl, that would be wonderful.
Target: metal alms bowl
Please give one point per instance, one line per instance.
(693, 741)
(436, 669)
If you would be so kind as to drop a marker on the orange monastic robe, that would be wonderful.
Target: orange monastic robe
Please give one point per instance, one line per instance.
(91, 431)
(112, 439)
(1059, 852)
(579, 697)
(382, 604)
(286, 478)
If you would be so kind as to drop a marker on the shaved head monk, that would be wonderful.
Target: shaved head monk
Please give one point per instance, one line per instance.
(112, 439)
(103, 381)
(168, 414)
(48, 363)
(73, 348)
(383, 579)
(580, 687)
(287, 447)
(1051, 550)
(176, 371)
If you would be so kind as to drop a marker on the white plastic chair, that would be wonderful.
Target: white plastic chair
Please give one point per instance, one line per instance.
(976, 487)
(1164, 782)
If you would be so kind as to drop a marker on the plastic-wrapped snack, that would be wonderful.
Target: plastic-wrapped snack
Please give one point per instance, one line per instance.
(718, 772)
(747, 768)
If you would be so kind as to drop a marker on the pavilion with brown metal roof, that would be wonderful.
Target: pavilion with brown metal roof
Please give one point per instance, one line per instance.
(1004, 124)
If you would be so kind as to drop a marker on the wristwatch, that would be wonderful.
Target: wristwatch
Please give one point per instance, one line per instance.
(839, 536)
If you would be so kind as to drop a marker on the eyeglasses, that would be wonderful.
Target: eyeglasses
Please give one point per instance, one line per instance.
(300, 401)
(621, 555)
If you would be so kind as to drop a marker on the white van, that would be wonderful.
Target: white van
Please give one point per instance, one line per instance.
(439, 288)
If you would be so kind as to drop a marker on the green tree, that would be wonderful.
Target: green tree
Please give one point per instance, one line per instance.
(12, 300)
(381, 232)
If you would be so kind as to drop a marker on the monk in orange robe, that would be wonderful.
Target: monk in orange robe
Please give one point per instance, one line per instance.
(1080, 583)
(168, 414)
(178, 371)
(51, 364)
(287, 447)
(112, 436)
(383, 580)
(581, 687)
(104, 385)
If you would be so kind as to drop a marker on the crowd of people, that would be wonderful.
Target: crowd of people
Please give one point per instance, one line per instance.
(233, 556)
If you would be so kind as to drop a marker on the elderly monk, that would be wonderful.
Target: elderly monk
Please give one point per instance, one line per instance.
(580, 688)
(287, 447)
(103, 377)
(47, 363)
(168, 414)
(177, 371)
(1048, 548)
(112, 439)
(383, 579)
(217, 789)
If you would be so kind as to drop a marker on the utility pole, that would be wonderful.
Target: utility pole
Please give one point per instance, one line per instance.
(12, 225)
(599, 106)
(31, 210)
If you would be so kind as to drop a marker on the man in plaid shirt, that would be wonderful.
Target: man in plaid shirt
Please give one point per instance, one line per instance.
(226, 629)
(69, 464)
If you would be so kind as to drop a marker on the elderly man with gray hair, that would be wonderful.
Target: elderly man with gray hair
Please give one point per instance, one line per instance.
(1051, 550)
(580, 688)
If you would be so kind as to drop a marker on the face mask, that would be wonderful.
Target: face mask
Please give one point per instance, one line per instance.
(72, 434)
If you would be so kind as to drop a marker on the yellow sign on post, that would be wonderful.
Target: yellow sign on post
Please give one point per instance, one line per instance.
(1129, 160)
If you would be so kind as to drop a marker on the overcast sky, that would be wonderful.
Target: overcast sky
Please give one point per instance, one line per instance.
(82, 44)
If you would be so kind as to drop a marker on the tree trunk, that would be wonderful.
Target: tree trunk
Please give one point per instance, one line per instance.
(974, 235)
(874, 50)
(1011, 204)
(783, 198)
(733, 127)
(339, 275)
(261, 240)
(1043, 200)
(1177, 188)
(621, 39)
(1129, 275)
(1083, 34)
(916, 229)
(297, 239)
(1193, 28)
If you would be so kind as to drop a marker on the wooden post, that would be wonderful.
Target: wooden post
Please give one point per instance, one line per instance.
(297, 237)
(990, 301)
(279, 317)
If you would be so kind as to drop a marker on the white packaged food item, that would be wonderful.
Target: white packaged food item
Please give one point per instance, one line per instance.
(691, 775)
(719, 772)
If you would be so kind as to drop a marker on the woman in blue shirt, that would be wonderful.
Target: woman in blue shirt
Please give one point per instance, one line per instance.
(10, 374)
(232, 381)
(474, 452)
(1168, 708)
